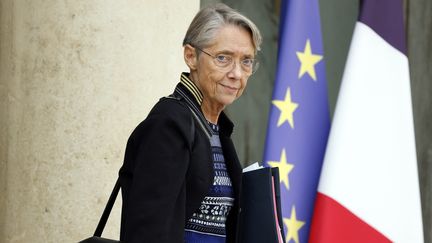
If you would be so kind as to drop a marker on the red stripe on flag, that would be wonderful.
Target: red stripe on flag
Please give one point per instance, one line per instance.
(333, 223)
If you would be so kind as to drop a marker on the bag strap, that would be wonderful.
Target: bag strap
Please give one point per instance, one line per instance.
(107, 211)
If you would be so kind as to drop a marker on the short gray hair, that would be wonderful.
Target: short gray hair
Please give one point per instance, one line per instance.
(208, 20)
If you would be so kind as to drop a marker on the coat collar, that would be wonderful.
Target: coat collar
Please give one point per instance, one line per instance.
(190, 92)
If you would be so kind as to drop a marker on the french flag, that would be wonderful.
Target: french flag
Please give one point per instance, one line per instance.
(368, 189)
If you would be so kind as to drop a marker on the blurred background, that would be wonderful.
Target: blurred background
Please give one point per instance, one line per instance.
(77, 76)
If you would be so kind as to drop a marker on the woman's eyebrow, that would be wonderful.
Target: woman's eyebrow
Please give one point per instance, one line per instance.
(227, 52)
(231, 53)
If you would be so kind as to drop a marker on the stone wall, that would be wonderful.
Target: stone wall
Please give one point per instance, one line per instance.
(76, 78)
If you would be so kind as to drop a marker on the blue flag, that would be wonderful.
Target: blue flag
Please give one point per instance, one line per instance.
(299, 119)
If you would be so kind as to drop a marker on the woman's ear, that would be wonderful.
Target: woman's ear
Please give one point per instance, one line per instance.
(190, 57)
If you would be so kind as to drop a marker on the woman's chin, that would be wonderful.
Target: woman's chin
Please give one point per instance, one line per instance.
(227, 100)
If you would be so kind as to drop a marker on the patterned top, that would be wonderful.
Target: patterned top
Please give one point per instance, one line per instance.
(207, 224)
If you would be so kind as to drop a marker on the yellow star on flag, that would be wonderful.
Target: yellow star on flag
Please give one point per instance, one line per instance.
(308, 61)
(287, 108)
(284, 168)
(293, 226)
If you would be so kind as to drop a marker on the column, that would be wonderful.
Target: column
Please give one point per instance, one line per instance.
(76, 77)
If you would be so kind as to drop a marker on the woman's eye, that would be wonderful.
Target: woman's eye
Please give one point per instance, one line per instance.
(222, 58)
(248, 62)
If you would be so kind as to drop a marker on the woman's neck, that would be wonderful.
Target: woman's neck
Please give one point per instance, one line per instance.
(211, 112)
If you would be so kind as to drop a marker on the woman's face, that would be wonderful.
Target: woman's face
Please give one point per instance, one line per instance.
(221, 86)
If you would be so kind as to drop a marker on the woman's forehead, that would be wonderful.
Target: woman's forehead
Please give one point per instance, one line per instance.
(233, 39)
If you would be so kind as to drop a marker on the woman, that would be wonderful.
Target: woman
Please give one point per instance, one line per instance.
(181, 176)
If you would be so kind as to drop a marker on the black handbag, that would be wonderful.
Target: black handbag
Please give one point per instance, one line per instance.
(96, 238)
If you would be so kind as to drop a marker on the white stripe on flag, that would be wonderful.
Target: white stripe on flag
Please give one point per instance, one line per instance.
(370, 165)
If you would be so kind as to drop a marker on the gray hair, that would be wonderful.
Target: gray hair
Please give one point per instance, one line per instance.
(210, 19)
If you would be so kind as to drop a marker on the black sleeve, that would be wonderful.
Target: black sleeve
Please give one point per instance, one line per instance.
(155, 206)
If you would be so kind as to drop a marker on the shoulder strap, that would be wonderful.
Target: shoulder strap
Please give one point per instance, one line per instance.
(196, 111)
(197, 115)
(102, 222)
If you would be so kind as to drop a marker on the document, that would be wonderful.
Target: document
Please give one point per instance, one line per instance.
(260, 215)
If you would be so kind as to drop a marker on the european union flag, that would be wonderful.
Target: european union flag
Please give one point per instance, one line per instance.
(299, 119)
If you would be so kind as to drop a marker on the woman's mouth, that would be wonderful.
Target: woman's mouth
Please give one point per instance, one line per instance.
(229, 88)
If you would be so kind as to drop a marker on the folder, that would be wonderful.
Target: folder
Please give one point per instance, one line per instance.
(260, 218)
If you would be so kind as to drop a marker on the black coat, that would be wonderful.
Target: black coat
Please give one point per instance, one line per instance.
(168, 170)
